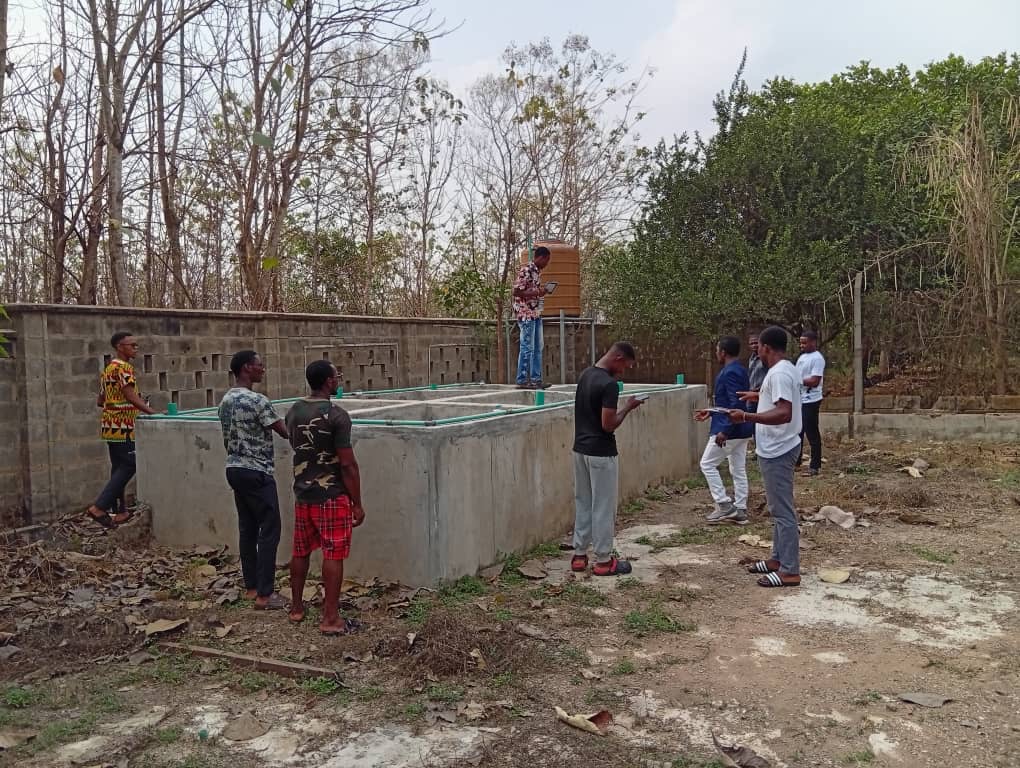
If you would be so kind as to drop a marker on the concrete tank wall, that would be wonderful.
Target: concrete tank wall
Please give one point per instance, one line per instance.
(440, 501)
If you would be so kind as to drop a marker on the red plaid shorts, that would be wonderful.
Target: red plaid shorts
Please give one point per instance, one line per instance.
(327, 525)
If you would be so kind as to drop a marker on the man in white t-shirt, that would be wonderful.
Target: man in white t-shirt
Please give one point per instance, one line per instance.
(777, 443)
(811, 370)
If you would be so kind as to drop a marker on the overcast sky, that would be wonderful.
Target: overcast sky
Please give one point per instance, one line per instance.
(695, 45)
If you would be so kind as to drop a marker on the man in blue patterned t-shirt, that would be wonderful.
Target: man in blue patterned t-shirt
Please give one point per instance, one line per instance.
(248, 420)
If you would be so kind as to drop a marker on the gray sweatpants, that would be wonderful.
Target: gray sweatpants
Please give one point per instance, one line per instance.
(777, 477)
(595, 488)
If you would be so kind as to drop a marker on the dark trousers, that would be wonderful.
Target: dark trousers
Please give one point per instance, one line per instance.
(809, 427)
(258, 525)
(122, 469)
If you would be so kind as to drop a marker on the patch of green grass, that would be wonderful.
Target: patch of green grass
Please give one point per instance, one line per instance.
(629, 582)
(60, 732)
(858, 469)
(418, 611)
(321, 686)
(868, 697)
(460, 591)
(448, 694)
(695, 483)
(414, 709)
(934, 555)
(686, 536)
(503, 680)
(655, 494)
(1011, 479)
(654, 620)
(368, 693)
(582, 594)
(168, 735)
(19, 698)
(172, 670)
(256, 681)
(195, 761)
(544, 550)
(863, 757)
(632, 509)
(572, 653)
(623, 667)
(107, 702)
(503, 614)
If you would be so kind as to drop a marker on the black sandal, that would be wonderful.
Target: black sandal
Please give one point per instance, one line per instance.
(104, 520)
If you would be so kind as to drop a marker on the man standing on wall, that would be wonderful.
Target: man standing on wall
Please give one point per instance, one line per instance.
(596, 464)
(811, 370)
(727, 441)
(248, 420)
(121, 403)
(327, 494)
(777, 440)
(529, 293)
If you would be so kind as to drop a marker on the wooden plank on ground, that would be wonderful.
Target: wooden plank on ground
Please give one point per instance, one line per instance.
(261, 663)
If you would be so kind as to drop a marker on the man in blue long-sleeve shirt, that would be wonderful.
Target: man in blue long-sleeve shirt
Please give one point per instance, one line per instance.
(727, 441)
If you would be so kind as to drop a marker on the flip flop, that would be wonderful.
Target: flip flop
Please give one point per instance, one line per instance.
(128, 516)
(299, 619)
(276, 602)
(104, 520)
(773, 579)
(760, 566)
(350, 627)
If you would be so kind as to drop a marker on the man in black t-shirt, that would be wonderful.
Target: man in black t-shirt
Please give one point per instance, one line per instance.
(327, 494)
(596, 466)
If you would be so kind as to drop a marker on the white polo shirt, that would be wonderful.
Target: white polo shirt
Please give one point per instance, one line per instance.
(780, 383)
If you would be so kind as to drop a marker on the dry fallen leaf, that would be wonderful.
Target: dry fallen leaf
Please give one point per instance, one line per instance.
(740, 757)
(13, 737)
(531, 631)
(597, 723)
(411, 637)
(532, 569)
(472, 710)
(476, 654)
(912, 471)
(245, 727)
(491, 573)
(162, 626)
(834, 575)
(589, 674)
(934, 701)
(224, 630)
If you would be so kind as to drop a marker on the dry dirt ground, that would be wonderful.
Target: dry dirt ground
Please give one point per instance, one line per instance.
(469, 675)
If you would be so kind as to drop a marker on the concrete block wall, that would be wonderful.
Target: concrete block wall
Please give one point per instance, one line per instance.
(57, 463)
(10, 445)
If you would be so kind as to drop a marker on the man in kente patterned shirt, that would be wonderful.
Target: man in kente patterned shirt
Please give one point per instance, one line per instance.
(121, 403)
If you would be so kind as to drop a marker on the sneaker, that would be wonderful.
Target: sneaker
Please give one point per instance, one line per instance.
(810, 473)
(719, 513)
(736, 516)
(524, 385)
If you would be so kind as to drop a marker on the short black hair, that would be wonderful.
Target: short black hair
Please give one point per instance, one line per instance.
(625, 349)
(241, 359)
(542, 251)
(317, 372)
(118, 337)
(730, 345)
(774, 337)
(809, 335)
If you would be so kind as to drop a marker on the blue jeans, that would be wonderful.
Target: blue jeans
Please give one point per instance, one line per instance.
(529, 362)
